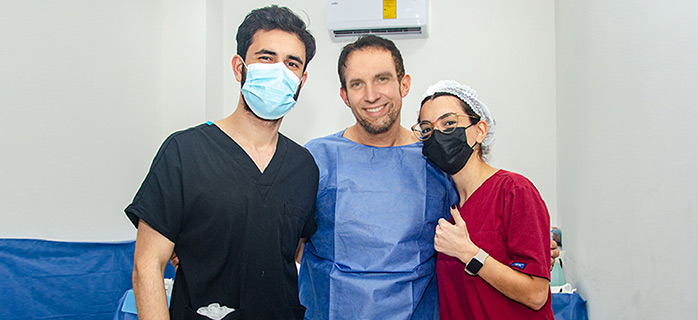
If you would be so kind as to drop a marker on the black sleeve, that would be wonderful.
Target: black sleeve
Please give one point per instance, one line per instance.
(310, 224)
(159, 201)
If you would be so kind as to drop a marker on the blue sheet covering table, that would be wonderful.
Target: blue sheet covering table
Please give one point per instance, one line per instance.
(569, 306)
(63, 280)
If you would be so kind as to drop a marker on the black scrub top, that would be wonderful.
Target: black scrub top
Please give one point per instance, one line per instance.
(235, 229)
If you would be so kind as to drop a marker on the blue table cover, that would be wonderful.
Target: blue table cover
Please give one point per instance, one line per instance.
(63, 280)
(569, 306)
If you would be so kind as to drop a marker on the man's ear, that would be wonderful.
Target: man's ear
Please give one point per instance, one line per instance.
(304, 77)
(405, 85)
(237, 65)
(300, 86)
(345, 98)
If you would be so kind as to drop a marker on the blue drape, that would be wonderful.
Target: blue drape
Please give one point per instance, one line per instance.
(42, 279)
(569, 306)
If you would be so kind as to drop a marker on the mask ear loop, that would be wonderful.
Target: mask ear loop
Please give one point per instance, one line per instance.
(466, 137)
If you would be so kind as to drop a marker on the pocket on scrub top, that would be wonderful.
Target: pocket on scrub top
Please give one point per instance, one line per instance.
(292, 224)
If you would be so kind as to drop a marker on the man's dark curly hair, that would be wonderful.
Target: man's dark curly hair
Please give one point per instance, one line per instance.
(274, 18)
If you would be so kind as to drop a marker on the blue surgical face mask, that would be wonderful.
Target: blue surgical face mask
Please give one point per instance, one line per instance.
(269, 89)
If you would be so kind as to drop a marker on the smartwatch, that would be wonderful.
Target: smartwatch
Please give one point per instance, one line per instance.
(475, 264)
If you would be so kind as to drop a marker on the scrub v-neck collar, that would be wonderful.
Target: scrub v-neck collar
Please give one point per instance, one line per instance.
(263, 180)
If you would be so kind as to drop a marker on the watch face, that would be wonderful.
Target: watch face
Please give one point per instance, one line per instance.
(473, 266)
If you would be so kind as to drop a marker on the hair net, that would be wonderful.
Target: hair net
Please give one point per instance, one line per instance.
(469, 96)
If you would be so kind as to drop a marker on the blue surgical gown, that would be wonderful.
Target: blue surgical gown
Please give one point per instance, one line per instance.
(372, 256)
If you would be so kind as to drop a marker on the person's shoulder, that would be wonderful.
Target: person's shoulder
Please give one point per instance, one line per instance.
(326, 140)
(514, 180)
(513, 176)
(188, 133)
(522, 193)
(298, 157)
(294, 148)
(185, 140)
(323, 144)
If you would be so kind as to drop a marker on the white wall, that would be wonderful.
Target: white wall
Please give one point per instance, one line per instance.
(80, 90)
(88, 92)
(153, 67)
(626, 84)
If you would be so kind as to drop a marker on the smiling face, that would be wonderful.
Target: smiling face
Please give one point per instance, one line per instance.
(373, 90)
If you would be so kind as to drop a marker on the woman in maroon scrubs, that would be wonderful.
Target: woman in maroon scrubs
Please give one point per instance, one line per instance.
(494, 257)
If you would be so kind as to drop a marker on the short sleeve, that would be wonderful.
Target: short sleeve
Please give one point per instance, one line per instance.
(310, 226)
(528, 230)
(159, 201)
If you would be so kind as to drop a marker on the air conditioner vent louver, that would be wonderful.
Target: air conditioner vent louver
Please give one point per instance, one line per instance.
(377, 31)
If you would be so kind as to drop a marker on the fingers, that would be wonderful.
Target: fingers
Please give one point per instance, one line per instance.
(554, 251)
(437, 236)
(456, 216)
(174, 260)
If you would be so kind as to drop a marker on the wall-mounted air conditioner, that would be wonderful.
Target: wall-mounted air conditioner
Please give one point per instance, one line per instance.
(348, 19)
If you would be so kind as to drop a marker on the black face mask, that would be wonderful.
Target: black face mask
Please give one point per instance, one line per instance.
(450, 152)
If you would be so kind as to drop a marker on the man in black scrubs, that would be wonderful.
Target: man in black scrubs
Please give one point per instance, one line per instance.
(234, 197)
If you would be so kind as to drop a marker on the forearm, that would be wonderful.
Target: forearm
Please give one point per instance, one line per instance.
(149, 261)
(526, 289)
(149, 289)
(299, 249)
(454, 240)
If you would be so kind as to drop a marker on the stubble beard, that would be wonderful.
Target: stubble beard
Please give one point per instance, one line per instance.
(381, 125)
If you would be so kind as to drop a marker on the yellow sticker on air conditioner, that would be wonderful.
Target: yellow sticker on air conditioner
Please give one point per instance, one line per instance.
(389, 9)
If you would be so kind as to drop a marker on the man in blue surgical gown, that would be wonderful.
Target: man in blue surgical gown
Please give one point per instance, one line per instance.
(378, 202)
